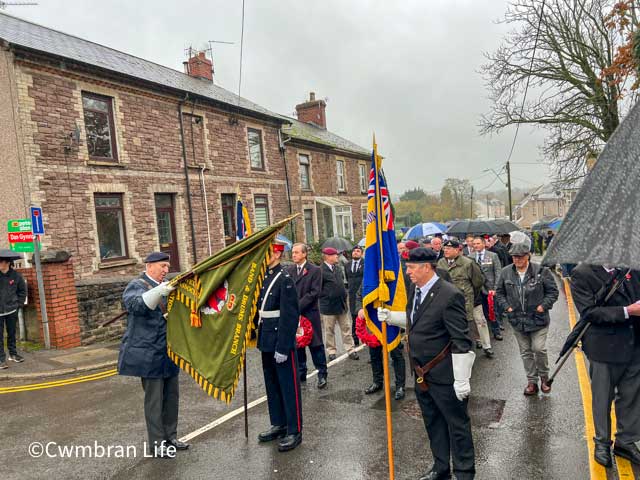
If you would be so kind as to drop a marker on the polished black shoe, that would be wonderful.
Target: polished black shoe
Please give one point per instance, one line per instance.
(163, 451)
(488, 352)
(399, 393)
(373, 388)
(303, 378)
(602, 455)
(322, 383)
(16, 358)
(433, 475)
(290, 442)
(354, 356)
(273, 433)
(498, 336)
(332, 356)
(628, 451)
(178, 444)
(478, 344)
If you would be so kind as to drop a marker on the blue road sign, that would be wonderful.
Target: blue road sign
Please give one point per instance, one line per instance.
(37, 224)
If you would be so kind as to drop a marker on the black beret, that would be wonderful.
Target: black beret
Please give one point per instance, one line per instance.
(157, 257)
(422, 255)
(451, 243)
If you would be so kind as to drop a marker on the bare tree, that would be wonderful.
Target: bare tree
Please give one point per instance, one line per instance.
(574, 94)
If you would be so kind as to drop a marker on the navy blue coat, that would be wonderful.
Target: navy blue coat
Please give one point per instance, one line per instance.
(279, 334)
(143, 352)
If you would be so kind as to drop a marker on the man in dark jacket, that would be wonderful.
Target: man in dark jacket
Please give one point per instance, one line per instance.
(308, 280)
(354, 271)
(441, 354)
(333, 305)
(612, 345)
(13, 292)
(143, 353)
(278, 322)
(526, 292)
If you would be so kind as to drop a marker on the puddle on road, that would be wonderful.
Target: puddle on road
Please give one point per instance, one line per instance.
(484, 412)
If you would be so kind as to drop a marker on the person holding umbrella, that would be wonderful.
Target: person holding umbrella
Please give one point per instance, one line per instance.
(526, 292)
(13, 292)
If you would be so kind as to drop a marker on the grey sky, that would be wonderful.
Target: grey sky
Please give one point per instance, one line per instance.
(404, 70)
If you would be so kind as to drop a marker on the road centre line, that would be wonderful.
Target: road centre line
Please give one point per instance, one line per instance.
(597, 471)
(258, 401)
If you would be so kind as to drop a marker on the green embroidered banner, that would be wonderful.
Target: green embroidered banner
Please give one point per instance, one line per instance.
(210, 313)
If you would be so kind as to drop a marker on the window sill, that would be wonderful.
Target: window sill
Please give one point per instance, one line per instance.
(105, 163)
(117, 263)
(307, 190)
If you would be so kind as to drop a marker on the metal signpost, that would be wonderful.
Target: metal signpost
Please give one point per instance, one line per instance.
(37, 228)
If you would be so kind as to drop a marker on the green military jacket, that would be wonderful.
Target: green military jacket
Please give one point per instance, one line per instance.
(467, 276)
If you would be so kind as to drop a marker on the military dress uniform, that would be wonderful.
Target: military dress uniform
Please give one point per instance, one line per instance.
(278, 322)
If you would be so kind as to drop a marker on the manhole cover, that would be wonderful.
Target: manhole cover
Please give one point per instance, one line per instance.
(482, 410)
(344, 396)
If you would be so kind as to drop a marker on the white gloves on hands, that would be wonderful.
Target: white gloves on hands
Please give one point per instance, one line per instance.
(151, 298)
(398, 319)
(462, 365)
(280, 358)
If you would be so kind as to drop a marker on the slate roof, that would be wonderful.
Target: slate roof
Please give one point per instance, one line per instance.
(311, 133)
(30, 35)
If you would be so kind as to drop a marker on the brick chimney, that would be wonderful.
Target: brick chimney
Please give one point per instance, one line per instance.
(313, 111)
(199, 66)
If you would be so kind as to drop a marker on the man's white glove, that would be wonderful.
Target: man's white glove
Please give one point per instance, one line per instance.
(398, 319)
(462, 365)
(280, 358)
(151, 298)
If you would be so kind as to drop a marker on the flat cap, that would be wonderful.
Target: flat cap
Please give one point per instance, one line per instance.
(422, 255)
(329, 251)
(410, 245)
(157, 257)
(6, 254)
(452, 242)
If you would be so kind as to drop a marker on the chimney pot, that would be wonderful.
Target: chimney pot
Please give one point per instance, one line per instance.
(312, 96)
(199, 66)
(312, 111)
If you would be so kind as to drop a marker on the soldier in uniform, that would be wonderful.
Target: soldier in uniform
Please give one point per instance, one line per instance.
(612, 345)
(441, 355)
(278, 321)
(143, 353)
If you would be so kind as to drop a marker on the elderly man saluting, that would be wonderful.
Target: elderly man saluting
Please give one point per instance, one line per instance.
(143, 353)
(441, 356)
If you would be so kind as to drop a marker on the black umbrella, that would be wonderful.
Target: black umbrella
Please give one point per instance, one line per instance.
(601, 227)
(339, 243)
(481, 227)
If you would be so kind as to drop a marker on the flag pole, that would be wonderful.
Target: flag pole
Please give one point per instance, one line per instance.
(246, 405)
(387, 398)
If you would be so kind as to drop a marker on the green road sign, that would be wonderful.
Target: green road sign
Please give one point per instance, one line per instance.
(20, 236)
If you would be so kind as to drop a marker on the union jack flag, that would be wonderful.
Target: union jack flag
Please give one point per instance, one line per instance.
(384, 193)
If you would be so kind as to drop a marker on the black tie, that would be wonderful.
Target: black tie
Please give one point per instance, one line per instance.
(299, 269)
(353, 266)
(416, 304)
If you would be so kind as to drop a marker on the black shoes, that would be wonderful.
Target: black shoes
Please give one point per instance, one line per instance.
(488, 352)
(373, 388)
(332, 356)
(290, 442)
(322, 383)
(178, 444)
(498, 336)
(3, 365)
(16, 358)
(354, 356)
(399, 393)
(273, 433)
(478, 344)
(433, 475)
(303, 378)
(602, 455)
(628, 451)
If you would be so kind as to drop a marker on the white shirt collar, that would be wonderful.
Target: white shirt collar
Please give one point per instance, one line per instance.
(424, 290)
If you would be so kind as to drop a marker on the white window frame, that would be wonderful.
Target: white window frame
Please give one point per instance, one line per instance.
(301, 166)
(340, 176)
(364, 183)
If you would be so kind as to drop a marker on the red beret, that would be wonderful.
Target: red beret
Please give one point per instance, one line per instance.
(278, 247)
(410, 245)
(329, 251)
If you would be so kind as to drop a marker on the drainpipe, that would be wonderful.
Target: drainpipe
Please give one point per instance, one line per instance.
(286, 177)
(206, 206)
(186, 177)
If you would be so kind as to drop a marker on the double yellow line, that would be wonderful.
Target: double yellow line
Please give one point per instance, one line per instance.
(59, 383)
(598, 472)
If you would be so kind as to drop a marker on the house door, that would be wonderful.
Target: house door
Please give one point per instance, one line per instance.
(167, 228)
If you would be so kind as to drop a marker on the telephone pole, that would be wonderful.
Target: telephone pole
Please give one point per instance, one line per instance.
(509, 189)
(471, 215)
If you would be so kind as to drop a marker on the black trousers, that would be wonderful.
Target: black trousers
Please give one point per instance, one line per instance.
(282, 383)
(10, 321)
(161, 396)
(356, 340)
(449, 429)
(399, 365)
(319, 358)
